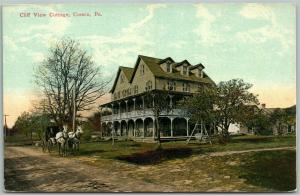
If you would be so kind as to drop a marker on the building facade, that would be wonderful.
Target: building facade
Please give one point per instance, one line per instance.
(283, 124)
(127, 114)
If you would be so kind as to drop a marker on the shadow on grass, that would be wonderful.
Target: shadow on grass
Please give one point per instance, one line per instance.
(156, 156)
(272, 169)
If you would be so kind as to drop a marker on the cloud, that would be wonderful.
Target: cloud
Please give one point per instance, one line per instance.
(131, 29)
(271, 31)
(132, 40)
(178, 44)
(205, 32)
(43, 32)
(257, 11)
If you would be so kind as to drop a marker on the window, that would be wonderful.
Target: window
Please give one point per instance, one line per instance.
(148, 85)
(168, 67)
(183, 86)
(199, 87)
(184, 70)
(122, 78)
(128, 91)
(186, 87)
(171, 85)
(142, 70)
(136, 89)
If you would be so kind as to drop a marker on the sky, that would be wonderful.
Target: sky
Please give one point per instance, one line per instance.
(255, 42)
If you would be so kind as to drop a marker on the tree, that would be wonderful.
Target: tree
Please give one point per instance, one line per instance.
(279, 118)
(24, 124)
(234, 102)
(259, 122)
(200, 106)
(39, 123)
(67, 74)
(95, 121)
(227, 103)
(159, 102)
(27, 123)
(92, 124)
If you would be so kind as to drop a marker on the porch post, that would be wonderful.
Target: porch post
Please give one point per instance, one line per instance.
(120, 108)
(171, 127)
(143, 104)
(133, 104)
(171, 102)
(127, 128)
(153, 128)
(187, 126)
(126, 105)
(153, 103)
(134, 128)
(112, 108)
(143, 127)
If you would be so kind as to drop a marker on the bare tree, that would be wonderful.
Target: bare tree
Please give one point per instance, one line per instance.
(68, 75)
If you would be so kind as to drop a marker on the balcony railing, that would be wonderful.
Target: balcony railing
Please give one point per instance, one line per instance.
(141, 114)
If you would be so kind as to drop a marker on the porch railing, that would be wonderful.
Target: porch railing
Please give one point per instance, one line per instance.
(141, 114)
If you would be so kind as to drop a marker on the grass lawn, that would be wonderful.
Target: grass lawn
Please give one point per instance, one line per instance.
(179, 165)
(182, 166)
(272, 169)
(20, 139)
(146, 153)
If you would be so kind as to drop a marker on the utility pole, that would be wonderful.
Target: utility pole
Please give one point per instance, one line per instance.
(5, 126)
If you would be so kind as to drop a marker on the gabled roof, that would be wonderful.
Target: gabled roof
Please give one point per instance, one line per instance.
(196, 66)
(166, 59)
(181, 63)
(153, 65)
(127, 71)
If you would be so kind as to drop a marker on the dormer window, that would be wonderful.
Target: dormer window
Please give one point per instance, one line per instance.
(168, 67)
(184, 70)
(200, 73)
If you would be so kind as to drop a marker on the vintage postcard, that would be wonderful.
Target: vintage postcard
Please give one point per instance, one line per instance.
(157, 97)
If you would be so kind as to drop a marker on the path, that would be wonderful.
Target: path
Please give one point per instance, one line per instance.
(28, 169)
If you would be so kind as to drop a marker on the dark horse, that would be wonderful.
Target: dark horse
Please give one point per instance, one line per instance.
(49, 134)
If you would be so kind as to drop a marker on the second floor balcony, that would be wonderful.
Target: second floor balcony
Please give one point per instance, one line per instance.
(141, 114)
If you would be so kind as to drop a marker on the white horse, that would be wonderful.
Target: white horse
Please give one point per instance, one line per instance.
(74, 138)
(62, 141)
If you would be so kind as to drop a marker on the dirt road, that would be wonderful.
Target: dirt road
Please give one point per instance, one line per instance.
(30, 170)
